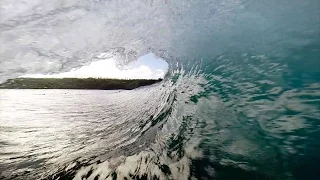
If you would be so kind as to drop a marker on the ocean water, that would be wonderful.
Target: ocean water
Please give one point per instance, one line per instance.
(241, 99)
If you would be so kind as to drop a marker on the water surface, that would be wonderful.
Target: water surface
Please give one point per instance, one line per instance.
(241, 99)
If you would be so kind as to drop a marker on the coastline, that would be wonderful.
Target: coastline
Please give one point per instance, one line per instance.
(76, 83)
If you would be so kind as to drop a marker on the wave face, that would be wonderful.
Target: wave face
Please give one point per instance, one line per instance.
(240, 99)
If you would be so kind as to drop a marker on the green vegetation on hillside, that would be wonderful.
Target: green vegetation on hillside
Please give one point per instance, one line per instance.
(75, 83)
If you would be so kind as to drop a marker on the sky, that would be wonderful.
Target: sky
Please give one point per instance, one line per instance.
(148, 66)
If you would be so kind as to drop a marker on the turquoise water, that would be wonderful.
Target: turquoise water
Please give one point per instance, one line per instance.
(238, 116)
(241, 99)
(273, 114)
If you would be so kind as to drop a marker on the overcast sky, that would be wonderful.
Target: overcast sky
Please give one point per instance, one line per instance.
(146, 67)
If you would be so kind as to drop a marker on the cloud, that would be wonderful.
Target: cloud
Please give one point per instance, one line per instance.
(146, 67)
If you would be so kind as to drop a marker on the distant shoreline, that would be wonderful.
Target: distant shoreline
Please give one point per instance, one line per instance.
(76, 83)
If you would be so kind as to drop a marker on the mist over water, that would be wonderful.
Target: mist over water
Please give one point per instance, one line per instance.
(54, 36)
(241, 99)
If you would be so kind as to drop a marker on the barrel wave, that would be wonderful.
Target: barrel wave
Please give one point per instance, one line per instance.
(241, 98)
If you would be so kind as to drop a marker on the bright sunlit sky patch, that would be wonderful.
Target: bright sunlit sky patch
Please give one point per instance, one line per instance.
(146, 67)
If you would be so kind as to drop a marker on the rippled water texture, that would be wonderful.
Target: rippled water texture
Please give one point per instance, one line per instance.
(241, 99)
